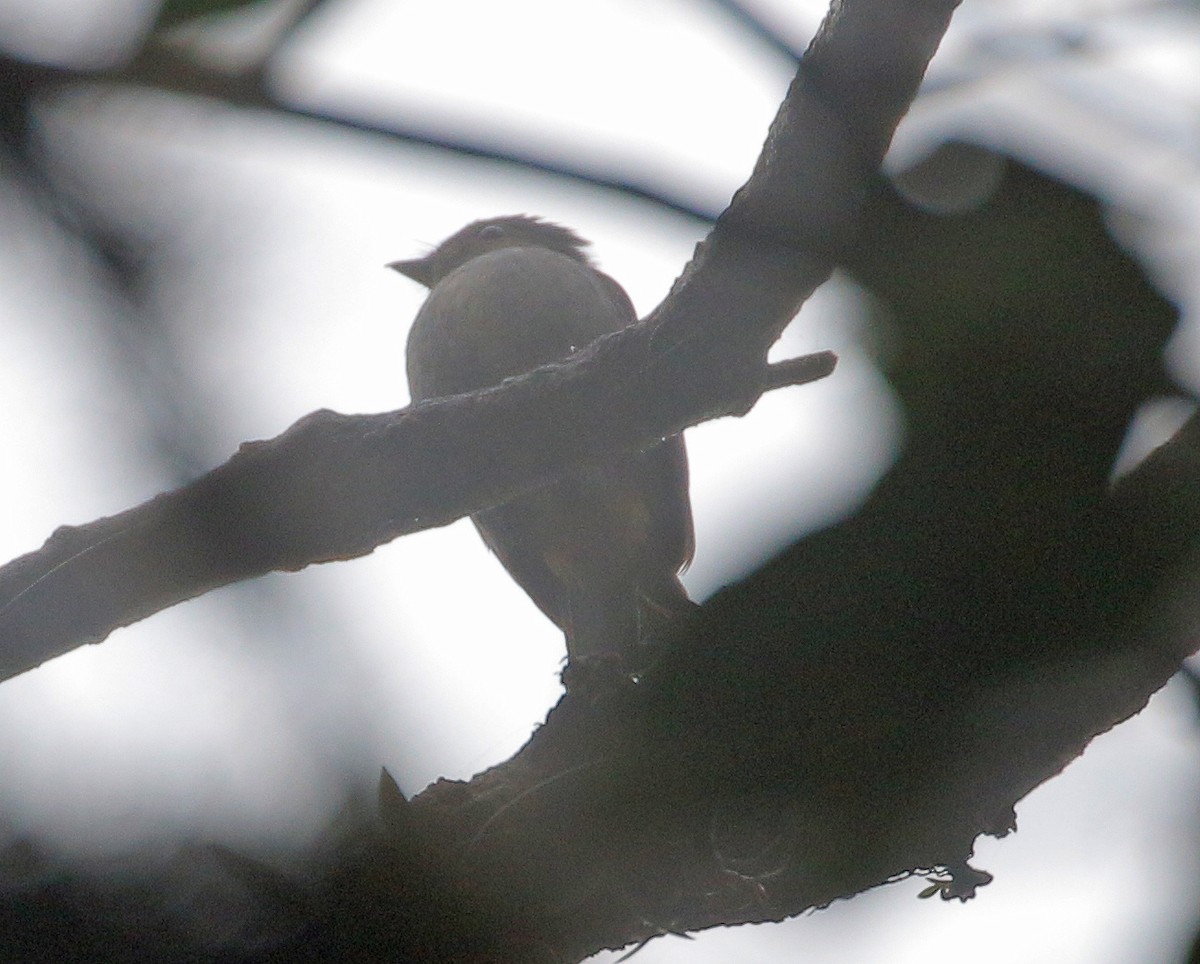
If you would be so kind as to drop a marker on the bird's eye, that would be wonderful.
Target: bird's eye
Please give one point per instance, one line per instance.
(491, 232)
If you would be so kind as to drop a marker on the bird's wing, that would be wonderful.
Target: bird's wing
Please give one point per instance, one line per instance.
(505, 531)
(663, 471)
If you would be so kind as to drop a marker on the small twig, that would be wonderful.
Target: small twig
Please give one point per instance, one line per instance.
(799, 371)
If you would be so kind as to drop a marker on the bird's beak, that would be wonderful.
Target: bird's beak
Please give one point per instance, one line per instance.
(417, 269)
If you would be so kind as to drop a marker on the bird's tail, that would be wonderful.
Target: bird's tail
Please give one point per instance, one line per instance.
(627, 620)
(665, 611)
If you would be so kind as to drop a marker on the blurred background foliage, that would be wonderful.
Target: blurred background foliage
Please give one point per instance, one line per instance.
(196, 201)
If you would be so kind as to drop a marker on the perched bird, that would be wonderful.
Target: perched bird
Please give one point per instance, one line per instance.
(599, 550)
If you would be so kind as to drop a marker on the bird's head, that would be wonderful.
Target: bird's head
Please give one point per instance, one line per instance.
(491, 234)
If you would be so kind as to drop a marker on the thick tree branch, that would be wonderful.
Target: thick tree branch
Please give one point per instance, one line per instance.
(868, 703)
(336, 487)
(751, 776)
(333, 486)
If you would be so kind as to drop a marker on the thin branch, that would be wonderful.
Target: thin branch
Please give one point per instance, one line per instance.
(170, 68)
(757, 27)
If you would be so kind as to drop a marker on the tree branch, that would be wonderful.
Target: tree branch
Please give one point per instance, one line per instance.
(864, 706)
(333, 486)
(173, 69)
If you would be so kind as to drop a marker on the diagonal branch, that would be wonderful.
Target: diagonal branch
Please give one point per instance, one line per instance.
(334, 486)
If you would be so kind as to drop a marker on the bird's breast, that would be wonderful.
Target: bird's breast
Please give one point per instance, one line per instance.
(503, 314)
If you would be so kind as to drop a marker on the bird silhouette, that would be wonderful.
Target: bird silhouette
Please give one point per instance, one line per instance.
(600, 549)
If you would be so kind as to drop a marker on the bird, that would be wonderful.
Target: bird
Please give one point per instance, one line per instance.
(600, 549)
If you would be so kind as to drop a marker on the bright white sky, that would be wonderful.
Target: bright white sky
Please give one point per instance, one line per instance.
(256, 702)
